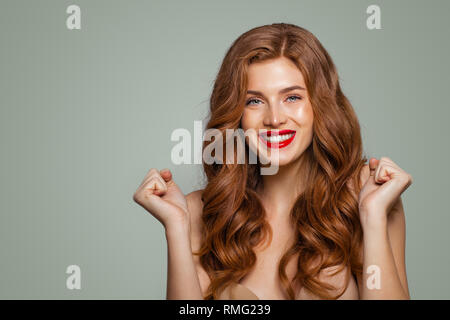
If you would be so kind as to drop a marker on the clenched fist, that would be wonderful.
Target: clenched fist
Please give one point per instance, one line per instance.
(160, 195)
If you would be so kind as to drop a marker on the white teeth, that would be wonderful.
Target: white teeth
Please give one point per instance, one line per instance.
(278, 138)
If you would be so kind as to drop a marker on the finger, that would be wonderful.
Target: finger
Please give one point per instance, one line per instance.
(377, 170)
(156, 185)
(150, 187)
(154, 174)
(162, 181)
(148, 176)
(166, 175)
(373, 162)
(389, 161)
(384, 173)
(392, 188)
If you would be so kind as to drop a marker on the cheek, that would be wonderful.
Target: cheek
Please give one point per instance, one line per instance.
(249, 120)
(250, 124)
(304, 115)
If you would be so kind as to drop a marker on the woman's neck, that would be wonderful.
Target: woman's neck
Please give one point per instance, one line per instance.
(279, 191)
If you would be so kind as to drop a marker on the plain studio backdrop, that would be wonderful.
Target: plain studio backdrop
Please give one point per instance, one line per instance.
(86, 113)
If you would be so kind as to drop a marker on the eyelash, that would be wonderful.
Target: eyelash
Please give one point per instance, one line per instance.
(254, 99)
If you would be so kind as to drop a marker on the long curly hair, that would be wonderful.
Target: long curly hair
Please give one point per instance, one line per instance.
(325, 215)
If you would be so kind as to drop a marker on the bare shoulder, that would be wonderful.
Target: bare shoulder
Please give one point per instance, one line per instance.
(195, 207)
(195, 203)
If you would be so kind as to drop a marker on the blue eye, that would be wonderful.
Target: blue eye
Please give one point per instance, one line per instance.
(248, 102)
(296, 97)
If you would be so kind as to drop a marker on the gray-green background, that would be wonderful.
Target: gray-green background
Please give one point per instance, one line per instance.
(86, 113)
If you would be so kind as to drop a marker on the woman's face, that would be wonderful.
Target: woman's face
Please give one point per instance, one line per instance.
(277, 107)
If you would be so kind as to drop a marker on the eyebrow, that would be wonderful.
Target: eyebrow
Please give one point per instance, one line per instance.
(281, 91)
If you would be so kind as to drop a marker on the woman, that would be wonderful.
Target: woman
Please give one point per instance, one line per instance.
(326, 225)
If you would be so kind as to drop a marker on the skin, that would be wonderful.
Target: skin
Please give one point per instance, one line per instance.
(273, 110)
(381, 210)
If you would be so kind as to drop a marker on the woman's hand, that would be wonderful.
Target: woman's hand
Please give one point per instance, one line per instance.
(160, 195)
(381, 191)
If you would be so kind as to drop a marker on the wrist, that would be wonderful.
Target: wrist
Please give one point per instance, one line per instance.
(374, 222)
(177, 229)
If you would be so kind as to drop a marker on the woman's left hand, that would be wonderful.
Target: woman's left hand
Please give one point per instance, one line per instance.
(381, 191)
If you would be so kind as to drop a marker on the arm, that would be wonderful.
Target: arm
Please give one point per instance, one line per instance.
(384, 247)
(384, 228)
(161, 196)
(182, 277)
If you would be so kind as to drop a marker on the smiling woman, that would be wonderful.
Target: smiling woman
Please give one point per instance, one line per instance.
(310, 230)
(280, 106)
(278, 79)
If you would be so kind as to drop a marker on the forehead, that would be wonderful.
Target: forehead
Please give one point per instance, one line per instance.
(274, 74)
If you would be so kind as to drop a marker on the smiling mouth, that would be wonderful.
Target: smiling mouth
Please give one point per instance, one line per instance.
(277, 139)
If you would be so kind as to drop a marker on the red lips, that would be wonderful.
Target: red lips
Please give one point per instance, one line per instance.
(279, 133)
(280, 144)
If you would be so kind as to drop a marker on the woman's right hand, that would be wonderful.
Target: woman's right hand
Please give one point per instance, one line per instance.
(160, 195)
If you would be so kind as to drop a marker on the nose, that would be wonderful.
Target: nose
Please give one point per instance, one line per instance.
(274, 116)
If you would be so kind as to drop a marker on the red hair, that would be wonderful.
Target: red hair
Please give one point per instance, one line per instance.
(325, 214)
